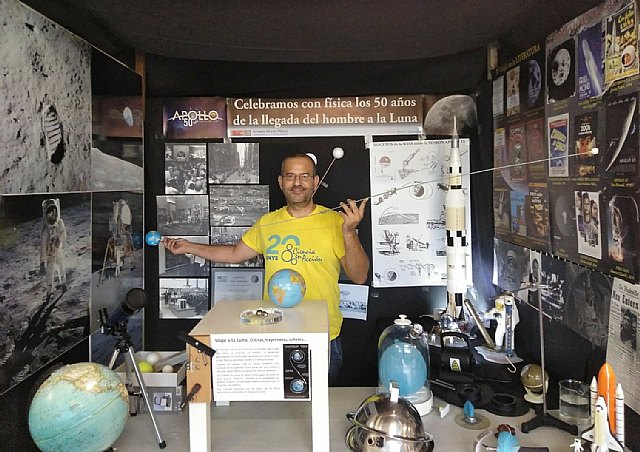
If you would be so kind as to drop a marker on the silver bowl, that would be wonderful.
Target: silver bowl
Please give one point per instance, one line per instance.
(387, 423)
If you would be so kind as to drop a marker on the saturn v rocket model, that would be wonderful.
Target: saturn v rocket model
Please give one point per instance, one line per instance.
(455, 223)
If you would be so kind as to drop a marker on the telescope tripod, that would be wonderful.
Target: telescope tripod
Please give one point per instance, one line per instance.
(124, 345)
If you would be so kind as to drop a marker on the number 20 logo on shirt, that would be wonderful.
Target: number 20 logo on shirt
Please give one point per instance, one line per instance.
(288, 254)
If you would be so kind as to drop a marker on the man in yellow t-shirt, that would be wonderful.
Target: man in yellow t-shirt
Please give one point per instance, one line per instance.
(311, 239)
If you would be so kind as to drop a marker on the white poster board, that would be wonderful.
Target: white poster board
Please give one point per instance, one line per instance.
(408, 186)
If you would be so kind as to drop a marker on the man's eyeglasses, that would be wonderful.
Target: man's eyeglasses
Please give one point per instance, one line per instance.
(304, 177)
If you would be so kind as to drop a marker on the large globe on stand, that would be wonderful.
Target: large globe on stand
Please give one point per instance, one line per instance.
(286, 288)
(80, 407)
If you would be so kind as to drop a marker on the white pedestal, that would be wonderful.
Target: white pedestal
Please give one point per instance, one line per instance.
(285, 361)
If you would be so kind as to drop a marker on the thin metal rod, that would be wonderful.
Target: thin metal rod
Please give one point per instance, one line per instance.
(324, 175)
(541, 327)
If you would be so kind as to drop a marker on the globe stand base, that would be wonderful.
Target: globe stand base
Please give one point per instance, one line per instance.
(124, 345)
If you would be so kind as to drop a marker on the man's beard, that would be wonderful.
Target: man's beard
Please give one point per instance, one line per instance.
(301, 197)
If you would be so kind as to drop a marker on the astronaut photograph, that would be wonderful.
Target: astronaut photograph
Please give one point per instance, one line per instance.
(46, 261)
(511, 265)
(234, 163)
(117, 253)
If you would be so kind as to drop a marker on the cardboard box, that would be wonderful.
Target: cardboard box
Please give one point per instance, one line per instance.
(154, 379)
(162, 400)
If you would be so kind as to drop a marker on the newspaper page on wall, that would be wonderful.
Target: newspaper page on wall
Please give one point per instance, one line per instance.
(622, 346)
(408, 185)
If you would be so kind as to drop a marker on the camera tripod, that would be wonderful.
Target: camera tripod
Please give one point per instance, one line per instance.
(124, 345)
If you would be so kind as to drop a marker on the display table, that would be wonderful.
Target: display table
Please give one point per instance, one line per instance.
(285, 426)
(254, 362)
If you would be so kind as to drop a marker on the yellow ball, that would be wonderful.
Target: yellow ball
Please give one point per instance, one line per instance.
(145, 367)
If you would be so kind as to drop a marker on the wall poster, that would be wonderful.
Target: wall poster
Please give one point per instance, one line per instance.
(409, 180)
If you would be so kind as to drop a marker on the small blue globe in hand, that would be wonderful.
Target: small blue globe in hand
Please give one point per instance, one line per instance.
(153, 238)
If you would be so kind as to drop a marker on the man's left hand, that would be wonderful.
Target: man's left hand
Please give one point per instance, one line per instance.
(352, 214)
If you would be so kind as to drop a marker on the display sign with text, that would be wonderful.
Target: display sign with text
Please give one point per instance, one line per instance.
(328, 116)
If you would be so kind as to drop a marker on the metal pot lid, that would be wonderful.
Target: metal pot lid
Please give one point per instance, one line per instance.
(391, 416)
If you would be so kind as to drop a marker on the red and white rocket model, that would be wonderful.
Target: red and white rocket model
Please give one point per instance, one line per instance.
(455, 223)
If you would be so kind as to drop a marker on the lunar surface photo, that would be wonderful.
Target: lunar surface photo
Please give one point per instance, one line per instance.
(45, 131)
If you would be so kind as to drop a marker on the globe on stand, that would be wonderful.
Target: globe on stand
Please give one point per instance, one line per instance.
(531, 379)
(79, 407)
(286, 288)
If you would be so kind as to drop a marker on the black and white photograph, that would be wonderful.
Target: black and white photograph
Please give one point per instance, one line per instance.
(181, 265)
(629, 328)
(511, 266)
(45, 256)
(234, 163)
(587, 303)
(553, 287)
(183, 215)
(230, 235)
(46, 97)
(354, 301)
(237, 205)
(185, 169)
(183, 298)
(117, 249)
(535, 263)
(236, 285)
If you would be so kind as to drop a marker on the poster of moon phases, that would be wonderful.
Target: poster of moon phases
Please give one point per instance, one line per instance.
(561, 71)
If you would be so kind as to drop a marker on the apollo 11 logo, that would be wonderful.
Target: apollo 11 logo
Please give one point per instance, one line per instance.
(192, 117)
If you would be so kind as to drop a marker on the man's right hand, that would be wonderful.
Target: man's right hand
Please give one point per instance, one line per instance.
(176, 246)
(43, 269)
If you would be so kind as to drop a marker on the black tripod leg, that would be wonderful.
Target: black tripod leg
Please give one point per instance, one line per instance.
(143, 389)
